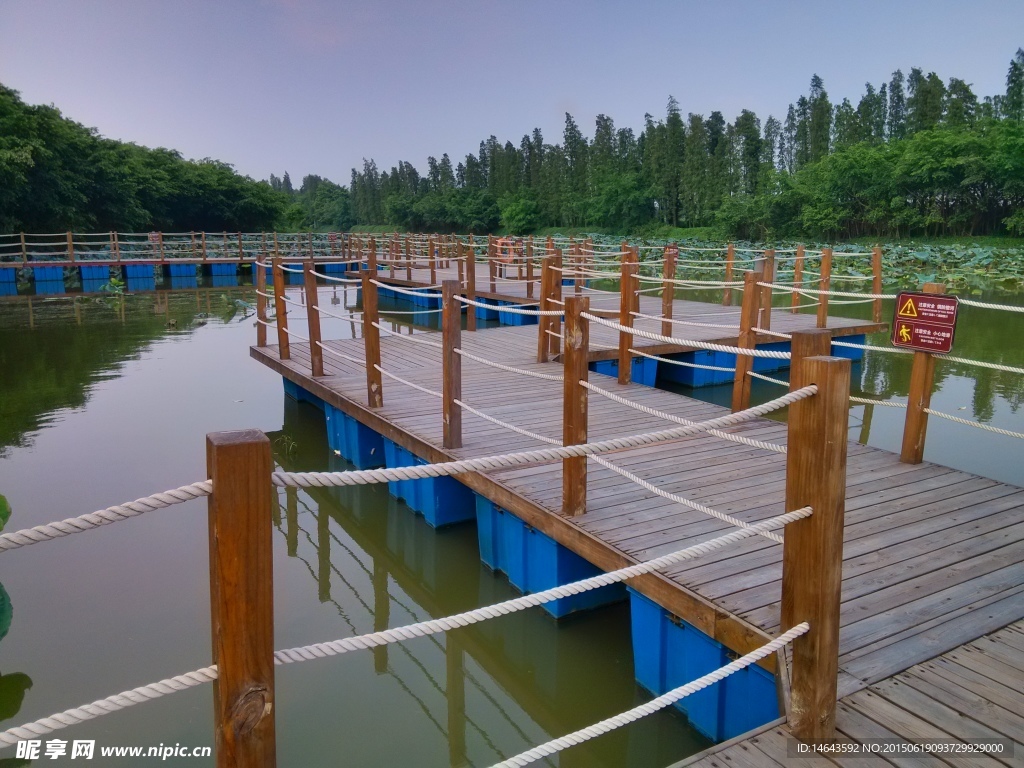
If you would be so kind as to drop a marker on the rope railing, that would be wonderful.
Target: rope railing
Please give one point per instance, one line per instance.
(399, 289)
(821, 292)
(687, 342)
(519, 310)
(406, 382)
(869, 401)
(340, 355)
(683, 363)
(679, 419)
(976, 424)
(399, 634)
(509, 460)
(407, 337)
(508, 368)
(661, 702)
(114, 514)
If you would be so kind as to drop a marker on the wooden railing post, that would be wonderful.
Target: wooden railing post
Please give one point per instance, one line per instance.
(371, 341)
(241, 597)
(316, 352)
(765, 320)
(543, 322)
(812, 555)
(371, 257)
(492, 263)
(470, 285)
(812, 342)
(798, 278)
(574, 403)
(555, 322)
(24, 248)
(281, 312)
(824, 284)
(71, 247)
(668, 291)
(747, 339)
(261, 305)
(876, 282)
(730, 259)
(529, 267)
(627, 293)
(432, 261)
(919, 398)
(451, 363)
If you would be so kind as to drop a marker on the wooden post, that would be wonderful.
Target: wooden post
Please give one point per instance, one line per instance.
(408, 260)
(492, 265)
(261, 306)
(543, 322)
(71, 247)
(24, 249)
(813, 342)
(627, 290)
(433, 262)
(277, 247)
(371, 257)
(242, 597)
(241, 250)
(203, 241)
(160, 245)
(668, 291)
(529, 268)
(451, 363)
(371, 341)
(455, 695)
(574, 404)
(555, 322)
(470, 286)
(730, 258)
(824, 283)
(798, 278)
(765, 320)
(281, 311)
(460, 257)
(876, 282)
(922, 375)
(316, 352)
(812, 556)
(747, 339)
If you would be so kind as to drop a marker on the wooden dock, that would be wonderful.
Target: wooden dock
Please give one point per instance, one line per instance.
(933, 557)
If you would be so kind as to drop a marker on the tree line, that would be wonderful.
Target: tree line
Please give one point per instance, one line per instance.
(915, 156)
(58, 175)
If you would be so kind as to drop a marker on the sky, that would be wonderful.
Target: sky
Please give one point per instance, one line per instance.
(314, 86)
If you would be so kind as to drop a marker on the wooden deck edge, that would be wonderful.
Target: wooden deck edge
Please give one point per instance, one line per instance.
(696, 758)
(727, 628)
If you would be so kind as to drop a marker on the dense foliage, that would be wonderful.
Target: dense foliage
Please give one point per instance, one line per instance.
(56, 175)
(916, 156)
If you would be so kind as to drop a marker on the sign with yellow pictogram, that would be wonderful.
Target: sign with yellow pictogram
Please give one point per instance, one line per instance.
(925, 322)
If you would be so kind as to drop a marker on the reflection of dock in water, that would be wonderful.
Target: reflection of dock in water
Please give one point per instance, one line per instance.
(527, 657)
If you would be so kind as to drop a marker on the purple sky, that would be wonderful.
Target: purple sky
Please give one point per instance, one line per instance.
(312, 86)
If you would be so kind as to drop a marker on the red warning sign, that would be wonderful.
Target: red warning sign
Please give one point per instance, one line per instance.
(925, 322)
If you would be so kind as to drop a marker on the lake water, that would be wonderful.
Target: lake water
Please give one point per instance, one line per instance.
(102, 402)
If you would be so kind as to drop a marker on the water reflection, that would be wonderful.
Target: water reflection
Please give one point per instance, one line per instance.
(13, 685)
(505, 684)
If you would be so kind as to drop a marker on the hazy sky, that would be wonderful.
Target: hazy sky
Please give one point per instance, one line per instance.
(312, 86)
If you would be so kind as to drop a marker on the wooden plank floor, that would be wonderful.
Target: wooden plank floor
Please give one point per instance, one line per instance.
(933, 557)
(971, 694)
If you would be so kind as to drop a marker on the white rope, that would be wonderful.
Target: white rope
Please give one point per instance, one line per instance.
(818, 292)
(291, 333)
(343, 356)
(734, 521)
(346, 318)
(867, 401)
(264, 295)
(666, 699)
(407, 337)
(679, 419)
(511, 427)
(509, 368)
(408, 383)
(388, 636)
(897, 350)
(692, 283)
(396, 289)
(987, 305)
(289, 269)
(292, 301)
(264, 322)
(993, 366)
(513, 310)
(969, 423)
(336, 279)
(688, 342)
(509, 460)
(675, 321)
(385, 311)
(106, 516)
(769, 379)
(773, 333)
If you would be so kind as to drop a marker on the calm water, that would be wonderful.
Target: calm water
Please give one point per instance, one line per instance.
(100, 404)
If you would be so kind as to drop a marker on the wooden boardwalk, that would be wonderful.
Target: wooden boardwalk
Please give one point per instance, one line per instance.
(969, 694)
(933, 557)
